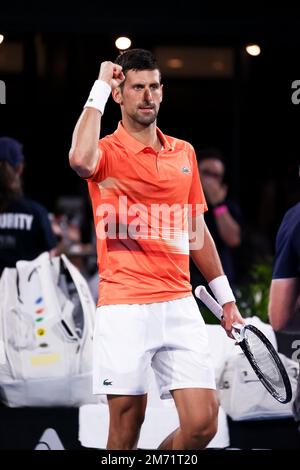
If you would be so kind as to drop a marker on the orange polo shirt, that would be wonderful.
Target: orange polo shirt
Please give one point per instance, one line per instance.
(140, 200)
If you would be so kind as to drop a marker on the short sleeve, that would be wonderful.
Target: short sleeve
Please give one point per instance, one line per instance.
(287, 255)
(197, 200)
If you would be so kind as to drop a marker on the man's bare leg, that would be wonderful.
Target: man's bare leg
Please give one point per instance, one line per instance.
(198, 416)
(126, 416)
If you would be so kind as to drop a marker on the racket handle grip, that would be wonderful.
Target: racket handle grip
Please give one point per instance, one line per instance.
(209, 301)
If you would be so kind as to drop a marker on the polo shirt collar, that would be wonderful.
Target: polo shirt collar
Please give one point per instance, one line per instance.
(133, 144)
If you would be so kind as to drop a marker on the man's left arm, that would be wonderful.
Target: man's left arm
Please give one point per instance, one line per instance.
(205, 256)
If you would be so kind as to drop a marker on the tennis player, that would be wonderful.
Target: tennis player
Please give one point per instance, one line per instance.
(148, 208)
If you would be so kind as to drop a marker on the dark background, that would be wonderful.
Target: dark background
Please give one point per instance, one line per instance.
(250, 116)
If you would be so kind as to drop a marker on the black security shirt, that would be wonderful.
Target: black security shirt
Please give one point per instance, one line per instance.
(25, 232)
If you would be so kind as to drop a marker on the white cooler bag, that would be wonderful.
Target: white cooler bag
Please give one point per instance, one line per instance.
(46, 323)
(243, 396)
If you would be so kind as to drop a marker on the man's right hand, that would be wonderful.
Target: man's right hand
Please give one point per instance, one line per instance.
(112, 74)
(215, 192)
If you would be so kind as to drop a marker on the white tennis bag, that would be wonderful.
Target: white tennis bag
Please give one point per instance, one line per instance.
(46, 323)
(242, 395)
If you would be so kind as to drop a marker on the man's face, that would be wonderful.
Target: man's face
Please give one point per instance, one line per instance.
(141, 95)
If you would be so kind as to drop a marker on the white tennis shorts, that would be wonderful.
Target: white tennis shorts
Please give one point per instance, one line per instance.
(169, 336)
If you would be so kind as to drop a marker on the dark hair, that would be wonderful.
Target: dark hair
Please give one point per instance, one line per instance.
(10, 185)
(210, 153)
(136, 59)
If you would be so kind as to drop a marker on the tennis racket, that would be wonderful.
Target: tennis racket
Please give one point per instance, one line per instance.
(260, 353)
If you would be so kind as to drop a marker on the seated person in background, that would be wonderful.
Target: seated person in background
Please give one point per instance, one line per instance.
(25, 230)
(284, 306)
(223, 217)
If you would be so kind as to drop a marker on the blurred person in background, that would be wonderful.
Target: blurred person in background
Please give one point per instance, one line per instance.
(284, 299)
(25, 229)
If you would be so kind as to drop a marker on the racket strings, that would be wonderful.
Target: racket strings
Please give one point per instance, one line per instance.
(265, 362)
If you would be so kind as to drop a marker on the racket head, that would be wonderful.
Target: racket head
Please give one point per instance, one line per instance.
(266, 363)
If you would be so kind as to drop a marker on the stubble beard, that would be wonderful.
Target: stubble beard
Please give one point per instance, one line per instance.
(145, 120)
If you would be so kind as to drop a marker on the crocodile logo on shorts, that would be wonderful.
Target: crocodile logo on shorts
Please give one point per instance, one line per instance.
(107, 382)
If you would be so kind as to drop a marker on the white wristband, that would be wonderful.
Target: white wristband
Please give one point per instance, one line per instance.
(221, 289)
(98, 96)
